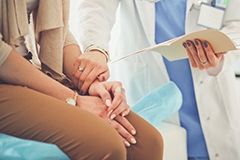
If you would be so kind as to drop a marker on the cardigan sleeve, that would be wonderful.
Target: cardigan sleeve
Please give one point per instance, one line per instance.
(5, 50)
(70, 39)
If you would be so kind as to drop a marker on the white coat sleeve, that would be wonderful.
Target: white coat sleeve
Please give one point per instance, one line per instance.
(95, 21)
(231, 27)
(232, 17)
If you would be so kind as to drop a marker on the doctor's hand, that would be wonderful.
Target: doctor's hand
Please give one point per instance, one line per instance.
(87, 68)
(113, 95)
(95, 105)
(201, 54)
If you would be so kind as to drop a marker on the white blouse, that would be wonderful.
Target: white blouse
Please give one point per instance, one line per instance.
(31, 5)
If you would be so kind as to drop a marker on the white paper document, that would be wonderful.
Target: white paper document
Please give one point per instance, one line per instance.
(174, 50)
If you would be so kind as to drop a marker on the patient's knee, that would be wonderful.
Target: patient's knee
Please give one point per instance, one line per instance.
(105, 145)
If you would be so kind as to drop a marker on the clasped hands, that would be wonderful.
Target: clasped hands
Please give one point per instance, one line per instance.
(87, 68)
(201, 55)
(107, 99)
(113, 95)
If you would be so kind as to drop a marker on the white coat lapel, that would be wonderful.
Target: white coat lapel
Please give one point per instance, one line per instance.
(146, 11)
(189, 5)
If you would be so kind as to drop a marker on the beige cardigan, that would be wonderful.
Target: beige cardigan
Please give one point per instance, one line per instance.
(51, 30)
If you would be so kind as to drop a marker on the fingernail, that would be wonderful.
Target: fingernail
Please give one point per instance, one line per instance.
(133, 132)
(109, 113)
(133, 140)
(184, 45)
(205, 44)
(81, 92)
(103, 79)
(127, 143)
(188, 44)
(108, 102)
(123, 114)
(196, 42)
(113, 116)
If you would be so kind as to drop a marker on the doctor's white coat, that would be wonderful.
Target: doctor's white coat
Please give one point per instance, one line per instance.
(217, 96)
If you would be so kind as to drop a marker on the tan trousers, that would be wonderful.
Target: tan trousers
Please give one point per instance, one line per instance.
(81, 135)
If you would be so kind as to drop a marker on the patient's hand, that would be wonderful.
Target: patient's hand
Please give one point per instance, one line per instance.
(113, 95)
(96, 106)
(125, 129)
(201, 54)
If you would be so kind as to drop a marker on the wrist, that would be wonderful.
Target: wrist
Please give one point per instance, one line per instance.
(72, 100)
(97, 48)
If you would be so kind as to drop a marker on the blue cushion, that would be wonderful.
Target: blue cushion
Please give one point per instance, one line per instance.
(13, 148)
(159, 104)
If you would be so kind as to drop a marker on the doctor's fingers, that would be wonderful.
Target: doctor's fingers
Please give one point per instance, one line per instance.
(77, 70)
(88, 79)
(192, 61)
(96, 61)
(80, 75)
(201, 52)
(104, 76)
(193, 52)
(84, 80)
(213, 58)
(93, 73)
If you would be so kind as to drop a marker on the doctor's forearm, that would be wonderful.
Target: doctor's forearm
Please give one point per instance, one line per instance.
(70, 54)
